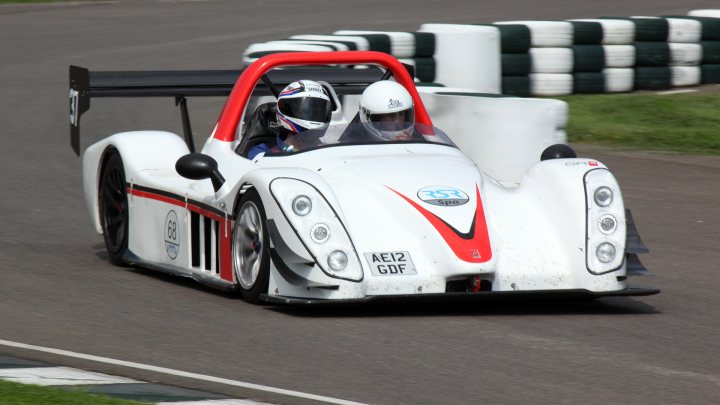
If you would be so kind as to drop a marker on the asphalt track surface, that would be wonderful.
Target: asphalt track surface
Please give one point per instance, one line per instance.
(58, 290)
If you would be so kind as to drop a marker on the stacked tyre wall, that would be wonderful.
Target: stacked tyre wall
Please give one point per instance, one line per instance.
(709, 43)
(542, 58)
(549, 57)
(414, 48)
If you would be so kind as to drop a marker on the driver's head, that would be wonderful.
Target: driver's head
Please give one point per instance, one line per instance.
(303, 105)
(387, 111)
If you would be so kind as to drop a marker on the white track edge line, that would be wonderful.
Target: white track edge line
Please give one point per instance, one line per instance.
(179, 373)
(678, 91)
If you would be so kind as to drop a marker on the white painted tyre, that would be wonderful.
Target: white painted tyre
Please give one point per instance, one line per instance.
(619, 56)
(685, 75)
(615, 32)
(255, 51)
(335, 46)
(715, 13)
(551, 60)
(360, 43)
(551, 84)
(402, 44)
(619, 80)
(466, 56)
(684, 31)
(547, 33)
(685, 54)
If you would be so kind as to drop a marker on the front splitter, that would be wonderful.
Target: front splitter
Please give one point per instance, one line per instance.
(451, 297)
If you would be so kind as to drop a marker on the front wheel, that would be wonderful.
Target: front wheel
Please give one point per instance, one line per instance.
(251, 262)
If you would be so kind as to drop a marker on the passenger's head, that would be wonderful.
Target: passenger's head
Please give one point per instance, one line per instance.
(387, 110)
(303, 105)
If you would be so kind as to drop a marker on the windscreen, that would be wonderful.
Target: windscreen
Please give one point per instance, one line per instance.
(347, 135)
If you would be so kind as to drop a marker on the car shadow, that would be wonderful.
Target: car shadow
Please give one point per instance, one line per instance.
(490, 306)
(487, 307)
(185, 282)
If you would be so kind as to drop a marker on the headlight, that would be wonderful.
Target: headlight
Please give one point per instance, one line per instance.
(319, 228)
(605, 252)
(603, 196)
(606, 229)
(319, 233)
(337, 260)
(607, 224)
(302, 205)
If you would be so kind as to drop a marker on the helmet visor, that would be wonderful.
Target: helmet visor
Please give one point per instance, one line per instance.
(306, 108)
(394, 121)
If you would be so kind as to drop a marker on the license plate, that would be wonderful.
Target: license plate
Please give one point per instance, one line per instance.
(390, 263)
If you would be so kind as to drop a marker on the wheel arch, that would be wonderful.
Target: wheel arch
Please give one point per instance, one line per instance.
(139, 150)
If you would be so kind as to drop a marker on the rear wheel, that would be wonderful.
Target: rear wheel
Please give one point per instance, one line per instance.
(251, 261)
(113, 204)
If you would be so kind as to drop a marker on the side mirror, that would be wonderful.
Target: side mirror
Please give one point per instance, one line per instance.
(197, 166)
(558, 151)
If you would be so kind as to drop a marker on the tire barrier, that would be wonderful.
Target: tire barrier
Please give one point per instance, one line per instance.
(684, 30)
(542, 58)
(619, 80)
(588, 83)
(477, 69)
(551, 84)
(546, 34)
(710, 74)
(550, 55)
(705, 13)
(588, 58)
(614, 32)
(619, 56)
(653, 78)
(516, 62)
(682, 54)
(683, 76)
(587, 33)
(551, 60)
(709, 21)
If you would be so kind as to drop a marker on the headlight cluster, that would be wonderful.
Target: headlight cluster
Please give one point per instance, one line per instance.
(318, 227)
(605, 222)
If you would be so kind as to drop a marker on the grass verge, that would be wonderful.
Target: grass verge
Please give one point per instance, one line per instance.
(12, 393)
(687, 123)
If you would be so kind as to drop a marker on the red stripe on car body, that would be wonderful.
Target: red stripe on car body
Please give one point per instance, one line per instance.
(474, 246)
(223, 226)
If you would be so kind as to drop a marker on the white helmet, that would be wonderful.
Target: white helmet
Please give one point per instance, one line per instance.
(387, 110)
(303, 105)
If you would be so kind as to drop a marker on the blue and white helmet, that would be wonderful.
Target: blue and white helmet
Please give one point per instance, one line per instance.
(303, 105)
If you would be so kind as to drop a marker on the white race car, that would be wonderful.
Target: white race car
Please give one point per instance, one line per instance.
(347, 217)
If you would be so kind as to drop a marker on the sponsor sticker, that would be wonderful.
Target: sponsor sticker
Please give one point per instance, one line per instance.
(390, 263)
(172, 242)
(445, 196)
(74, 96)
(588, 163)
(394, 103)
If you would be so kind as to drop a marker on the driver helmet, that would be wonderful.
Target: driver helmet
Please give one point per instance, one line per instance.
(303, 105)
(387, 110)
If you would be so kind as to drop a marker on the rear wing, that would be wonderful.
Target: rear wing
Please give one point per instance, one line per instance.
(181, 84)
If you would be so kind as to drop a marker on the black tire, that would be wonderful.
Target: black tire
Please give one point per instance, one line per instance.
(113, 207)
(250, 241)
